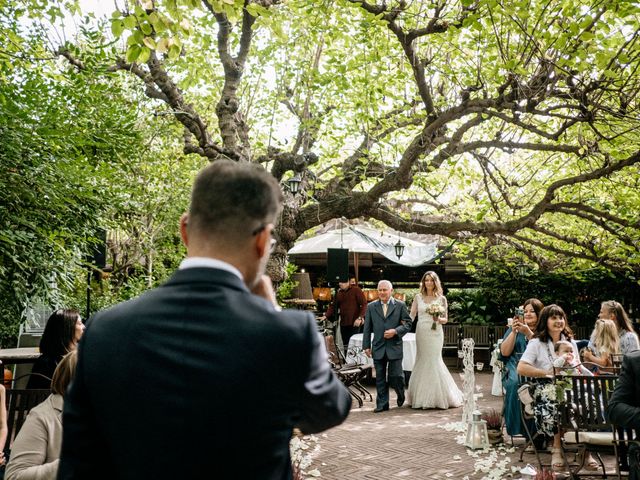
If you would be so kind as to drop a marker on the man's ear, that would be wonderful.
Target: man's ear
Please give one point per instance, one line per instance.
(184, 220)
(262, 241)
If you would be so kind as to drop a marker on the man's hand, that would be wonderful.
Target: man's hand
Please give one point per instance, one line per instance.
(358, 321)
(390, 333)
(367, 352)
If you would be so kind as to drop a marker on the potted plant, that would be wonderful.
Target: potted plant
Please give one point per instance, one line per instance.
(494, 425)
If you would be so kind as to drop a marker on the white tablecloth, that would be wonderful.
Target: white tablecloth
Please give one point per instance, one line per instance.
(356, 355)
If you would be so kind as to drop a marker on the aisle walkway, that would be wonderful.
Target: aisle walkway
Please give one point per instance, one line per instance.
(411, 444)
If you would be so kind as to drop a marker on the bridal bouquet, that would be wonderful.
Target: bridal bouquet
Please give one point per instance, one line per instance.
(435, 309)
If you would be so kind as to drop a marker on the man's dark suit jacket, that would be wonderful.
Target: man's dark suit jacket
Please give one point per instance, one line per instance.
(194, 378)
(375, 322)
(624, 406)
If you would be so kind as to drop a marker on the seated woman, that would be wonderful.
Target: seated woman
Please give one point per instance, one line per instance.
(36, 449)
(512, 347)
(612, 310)
(61, 335)
(606, 343)
(537, 361)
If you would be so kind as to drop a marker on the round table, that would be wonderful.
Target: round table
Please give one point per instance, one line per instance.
(355, 355)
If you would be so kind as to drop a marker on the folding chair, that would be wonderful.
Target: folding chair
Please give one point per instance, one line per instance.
(350, 374)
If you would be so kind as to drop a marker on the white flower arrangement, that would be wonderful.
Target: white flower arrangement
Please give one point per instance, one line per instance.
(548, 392)
(496, 363)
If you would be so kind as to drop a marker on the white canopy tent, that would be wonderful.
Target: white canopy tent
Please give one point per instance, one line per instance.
(359, 239)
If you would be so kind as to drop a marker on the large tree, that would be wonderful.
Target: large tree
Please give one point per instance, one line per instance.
(509, 125)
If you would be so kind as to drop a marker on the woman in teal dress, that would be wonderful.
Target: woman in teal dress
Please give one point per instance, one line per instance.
(513, 345)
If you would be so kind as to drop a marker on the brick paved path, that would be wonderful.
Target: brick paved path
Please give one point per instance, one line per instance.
(410, 444)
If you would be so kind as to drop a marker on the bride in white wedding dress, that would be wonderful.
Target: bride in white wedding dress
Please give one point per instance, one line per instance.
(431, 385)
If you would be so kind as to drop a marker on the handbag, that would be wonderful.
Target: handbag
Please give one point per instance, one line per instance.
(525, 394)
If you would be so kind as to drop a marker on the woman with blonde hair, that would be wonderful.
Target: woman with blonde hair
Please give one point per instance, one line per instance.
(606, 342)
(431, 385)
(35, 452)
(612, 310)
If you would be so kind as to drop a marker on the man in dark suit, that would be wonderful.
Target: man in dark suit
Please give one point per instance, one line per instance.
(624, 406)
(388, 320)
(201, 372)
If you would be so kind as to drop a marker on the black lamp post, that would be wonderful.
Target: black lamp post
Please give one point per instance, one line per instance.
(399, 248)
(294, 183)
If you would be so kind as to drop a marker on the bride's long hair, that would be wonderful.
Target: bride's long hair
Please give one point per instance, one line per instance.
(437, 289)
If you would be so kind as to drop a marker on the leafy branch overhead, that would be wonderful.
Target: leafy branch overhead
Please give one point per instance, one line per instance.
(513, 123)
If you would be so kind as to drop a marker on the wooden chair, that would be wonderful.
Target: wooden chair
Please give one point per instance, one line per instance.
(350, 374)
(616, 358)
(582, 418)
(19, 403)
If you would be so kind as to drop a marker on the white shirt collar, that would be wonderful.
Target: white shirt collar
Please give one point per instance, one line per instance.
(206, 262)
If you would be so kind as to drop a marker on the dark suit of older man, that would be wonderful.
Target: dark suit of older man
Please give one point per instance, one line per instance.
(624, 406)
(388, 319)
(201, 375)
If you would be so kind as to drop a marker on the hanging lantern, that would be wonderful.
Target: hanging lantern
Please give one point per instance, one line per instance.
(477, 437)
(294, 183)
(399, 248)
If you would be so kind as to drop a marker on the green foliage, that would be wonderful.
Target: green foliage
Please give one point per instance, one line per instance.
(501, 290)
(469, 306)
(285, 288)
(76, 156)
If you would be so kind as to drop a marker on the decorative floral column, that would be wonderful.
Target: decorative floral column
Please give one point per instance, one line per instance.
(469, 380)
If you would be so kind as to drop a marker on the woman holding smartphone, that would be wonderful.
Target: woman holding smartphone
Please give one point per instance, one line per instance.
(513, 345)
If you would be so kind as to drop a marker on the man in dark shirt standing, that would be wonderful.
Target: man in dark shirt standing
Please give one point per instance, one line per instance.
(351, 305)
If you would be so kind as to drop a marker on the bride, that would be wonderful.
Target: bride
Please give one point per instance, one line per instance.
(431, 385)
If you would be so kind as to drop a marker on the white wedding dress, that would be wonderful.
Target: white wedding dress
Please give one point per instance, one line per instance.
(431, 385)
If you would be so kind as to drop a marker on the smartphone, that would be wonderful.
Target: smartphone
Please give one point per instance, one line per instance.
(519, 312)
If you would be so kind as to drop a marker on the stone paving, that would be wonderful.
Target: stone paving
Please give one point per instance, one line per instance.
(413, 444)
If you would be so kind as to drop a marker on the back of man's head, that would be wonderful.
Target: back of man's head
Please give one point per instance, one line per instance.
(230, 201)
